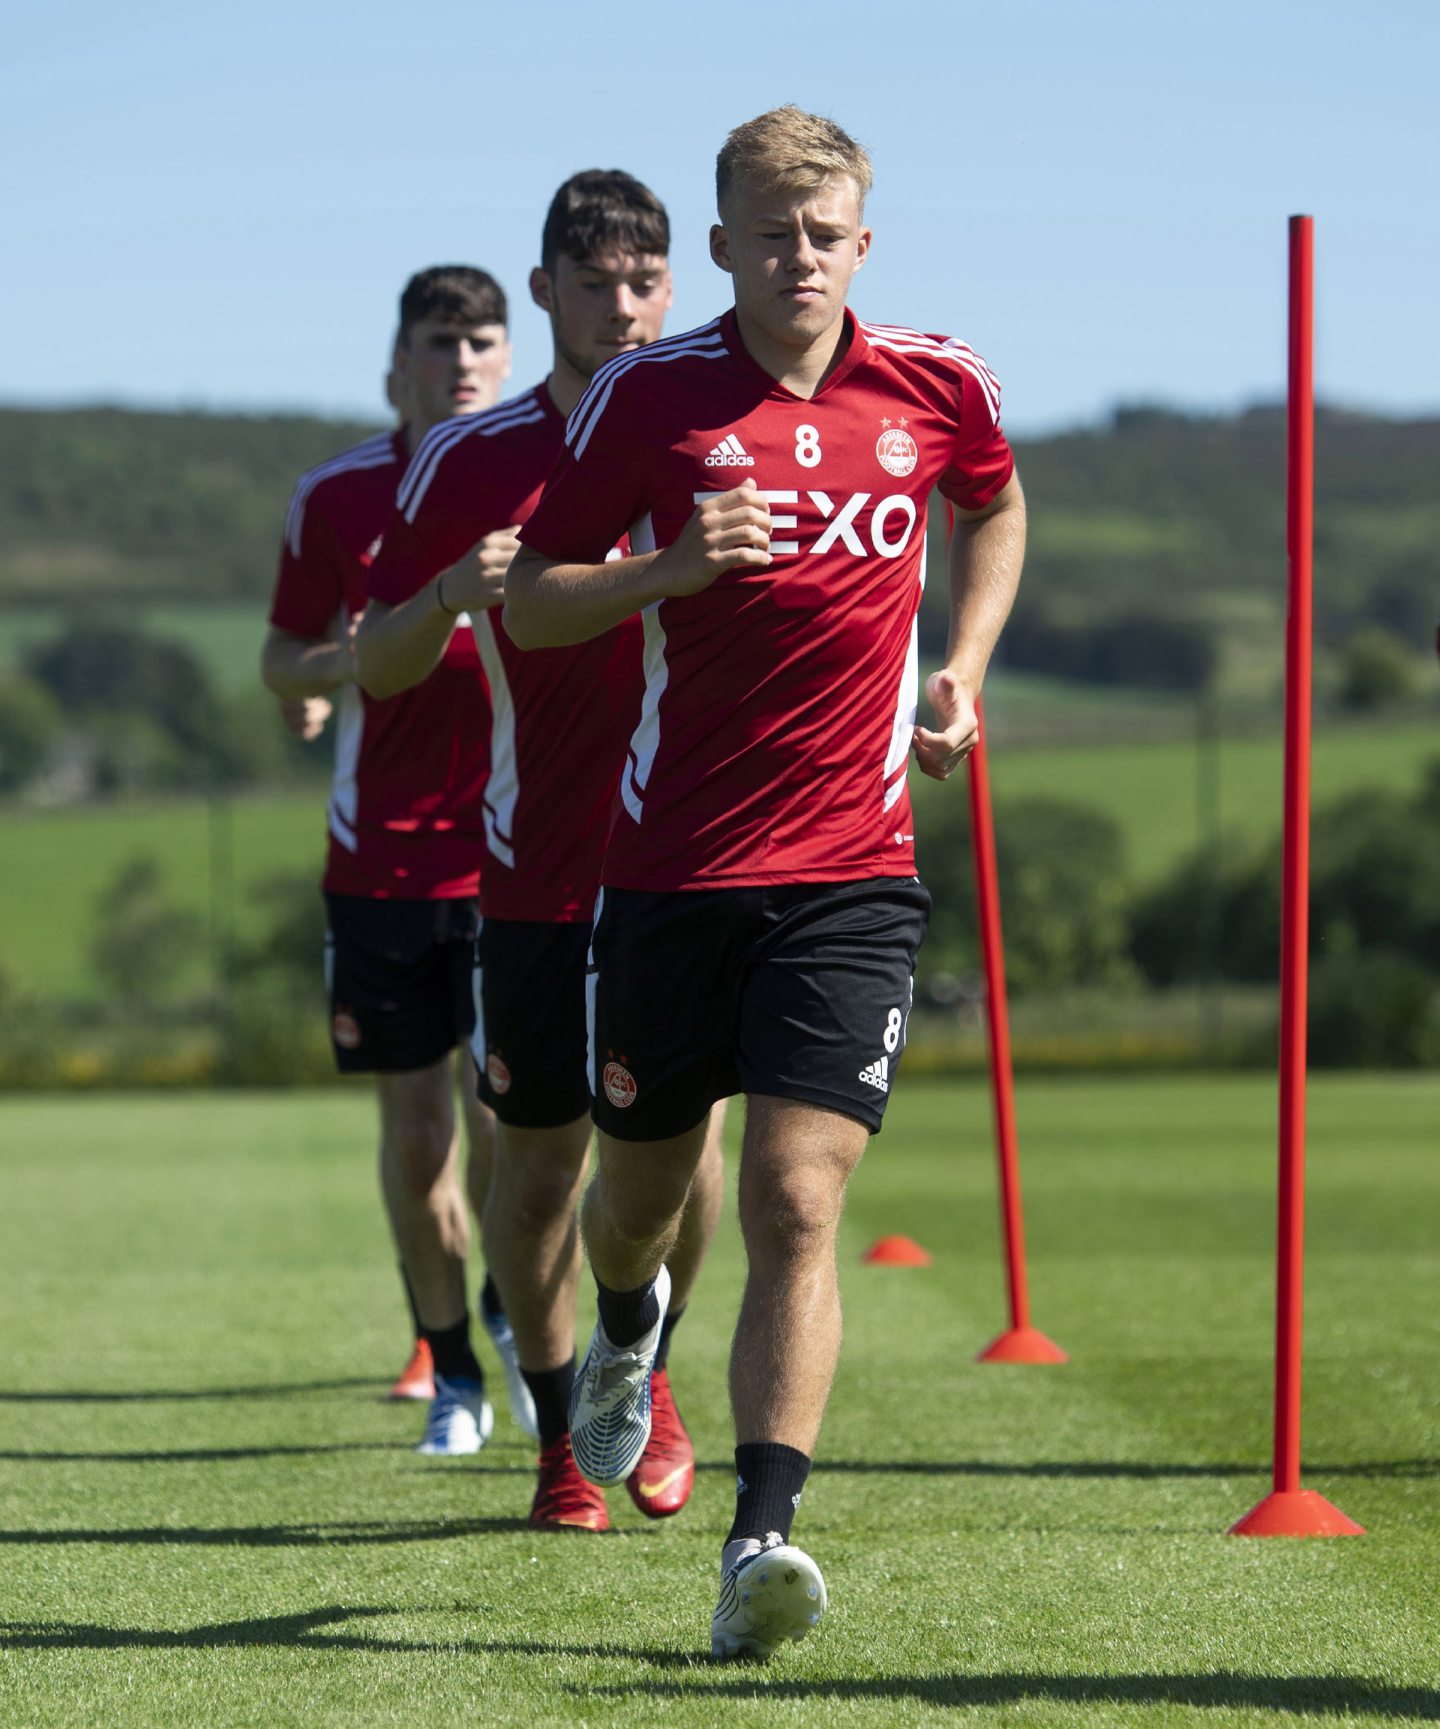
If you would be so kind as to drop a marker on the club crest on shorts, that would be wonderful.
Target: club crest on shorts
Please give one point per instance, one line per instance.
(619, 1086)
(895, 449)
(497, 1073)
(345, 1030)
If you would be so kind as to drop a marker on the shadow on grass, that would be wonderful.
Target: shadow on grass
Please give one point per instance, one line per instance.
(298, 1450)
(276, 1390)
(1102, 1468)
(346, 1535)
(204, 1455)
(299, 1632)
(306, 1631)
(317, 1630)
(1301, 1695)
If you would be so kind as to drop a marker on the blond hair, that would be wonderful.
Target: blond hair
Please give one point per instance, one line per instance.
(790, 149)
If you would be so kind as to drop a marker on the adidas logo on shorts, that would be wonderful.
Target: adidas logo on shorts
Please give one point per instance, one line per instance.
(729, 453)
(877, 1074)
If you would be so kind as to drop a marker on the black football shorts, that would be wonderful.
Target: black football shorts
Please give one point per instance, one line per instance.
(399, 976)
(529, 1040)
(800, 991)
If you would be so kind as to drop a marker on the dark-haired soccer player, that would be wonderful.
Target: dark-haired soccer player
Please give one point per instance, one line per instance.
(405, 821)
(760, 914)
(604, 280)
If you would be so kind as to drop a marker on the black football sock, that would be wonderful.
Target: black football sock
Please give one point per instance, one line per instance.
(627, 1315)
(491, 1303)
(667, 1327)
(769, 1481)
(451, 1349)
(550, 1389)
(410, 1301)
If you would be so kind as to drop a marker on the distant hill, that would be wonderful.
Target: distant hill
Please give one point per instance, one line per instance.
(116, 502)
(1160, 505)
(1155, 513)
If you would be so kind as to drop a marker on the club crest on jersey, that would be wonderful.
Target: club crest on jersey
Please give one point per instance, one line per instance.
(497, 1073)
(895, 449)
(619, 1086)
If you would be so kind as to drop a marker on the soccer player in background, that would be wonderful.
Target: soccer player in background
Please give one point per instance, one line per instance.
(402, 879)
(760, 914)
(604, 281)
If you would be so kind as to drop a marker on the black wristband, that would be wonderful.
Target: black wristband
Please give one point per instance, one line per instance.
(440, 594)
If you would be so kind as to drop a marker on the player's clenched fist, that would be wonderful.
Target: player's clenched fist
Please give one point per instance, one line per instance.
(478, 581)
(941, 752)
(728, 529)
(304, 717)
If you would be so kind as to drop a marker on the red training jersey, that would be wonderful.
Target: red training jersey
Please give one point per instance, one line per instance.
(561, 715)
(780, 703)
(405, 804)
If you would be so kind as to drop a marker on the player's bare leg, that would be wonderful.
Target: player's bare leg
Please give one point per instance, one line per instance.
(530, 1219)
(481, 1134)
(420, 1178)
(796, 1162)
(701, 1213)
(480, 1130)
(632, 1209)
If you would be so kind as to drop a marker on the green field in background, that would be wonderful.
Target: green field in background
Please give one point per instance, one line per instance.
(211, 1516)
(1152, 790)
(54, 866)
(226, 637)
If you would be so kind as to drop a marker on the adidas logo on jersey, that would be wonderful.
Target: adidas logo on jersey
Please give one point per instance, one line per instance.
(729, 453)
(877, 1074)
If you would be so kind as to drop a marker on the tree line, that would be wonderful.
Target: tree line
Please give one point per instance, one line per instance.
(1155, 519)
(111, 709)
(1073, 917)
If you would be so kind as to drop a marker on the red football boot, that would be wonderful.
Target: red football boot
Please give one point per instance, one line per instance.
(417, 1378)
(564, 1501)
(661, 1483)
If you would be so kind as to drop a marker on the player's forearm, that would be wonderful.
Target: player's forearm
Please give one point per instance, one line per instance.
(549, 604)
(397, 647)
(986, 553)
(295, 669)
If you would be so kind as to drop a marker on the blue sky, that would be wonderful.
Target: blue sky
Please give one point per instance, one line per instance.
(219, 208)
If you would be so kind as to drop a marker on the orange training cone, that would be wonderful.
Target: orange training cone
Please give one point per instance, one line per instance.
(1022, 1345)
(895, 1252)
(1296, 1513)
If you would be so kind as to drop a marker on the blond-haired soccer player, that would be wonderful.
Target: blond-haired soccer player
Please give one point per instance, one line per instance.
(760, 913)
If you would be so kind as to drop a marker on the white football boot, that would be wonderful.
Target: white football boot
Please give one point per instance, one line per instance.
(459, 1421)
(770, 1593)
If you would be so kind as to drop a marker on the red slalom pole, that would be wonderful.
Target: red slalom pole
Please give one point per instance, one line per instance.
(1288, 1510)
(1020, 1343)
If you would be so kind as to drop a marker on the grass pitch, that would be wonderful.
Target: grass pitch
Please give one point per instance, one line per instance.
(210, 1516)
